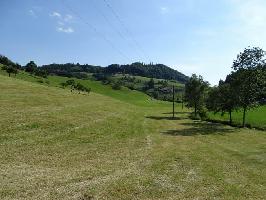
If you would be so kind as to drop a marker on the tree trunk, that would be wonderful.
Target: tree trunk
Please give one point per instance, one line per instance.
(244, 117)
(173, 101)
(9, 74)
(182, 102)
(195, 111)
(230, 114)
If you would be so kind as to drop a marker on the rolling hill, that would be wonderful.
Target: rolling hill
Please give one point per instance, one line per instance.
(118, 145)
(158, 71)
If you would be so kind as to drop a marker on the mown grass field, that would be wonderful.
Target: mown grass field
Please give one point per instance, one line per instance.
(56, 144)
(254, 118)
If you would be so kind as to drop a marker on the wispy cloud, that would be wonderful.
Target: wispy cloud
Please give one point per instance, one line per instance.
(164, 10)
(62, 22)
(32, 13)
(55, 14)
(68, 18)
(65, 30)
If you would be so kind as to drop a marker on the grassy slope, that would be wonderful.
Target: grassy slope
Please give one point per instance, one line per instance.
(59, 145)
(125, 94)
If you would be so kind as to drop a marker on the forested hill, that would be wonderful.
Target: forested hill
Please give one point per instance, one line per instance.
(159, 71)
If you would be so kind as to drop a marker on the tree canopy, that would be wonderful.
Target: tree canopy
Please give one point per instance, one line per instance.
(195, 93)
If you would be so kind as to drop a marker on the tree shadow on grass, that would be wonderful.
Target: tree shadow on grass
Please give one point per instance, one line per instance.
(200, 128)
(164, 118)
(177, 113)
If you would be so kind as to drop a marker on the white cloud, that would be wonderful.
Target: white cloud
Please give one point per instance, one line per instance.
(62, 22)
(164, 10)
(65, 30)
(55, 14)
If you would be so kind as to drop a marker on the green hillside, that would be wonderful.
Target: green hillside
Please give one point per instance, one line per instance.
(125, 94)
(121, 145)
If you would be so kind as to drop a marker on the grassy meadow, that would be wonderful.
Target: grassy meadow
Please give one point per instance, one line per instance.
(255, 118)
(111, 144)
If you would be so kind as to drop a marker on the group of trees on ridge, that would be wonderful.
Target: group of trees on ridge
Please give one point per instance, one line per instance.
(151, 70)
(13, 68)
(244, 88)
(9, 66)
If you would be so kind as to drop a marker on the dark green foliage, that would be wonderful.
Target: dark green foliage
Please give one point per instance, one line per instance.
(40, 72)
(7, 62)
(70, 82)
(248, 79)
(117, 85)
(71, 70)
(64, 85)
(30, 67)
(195, 94)
(105, 78)
(9, 66)
(82, 88)
(222, 99)
(159, 71)
(76, 86)
(137, 69)
(244, 88)
(262, 83)
(150, 84)
(10, 70)
(249, 58)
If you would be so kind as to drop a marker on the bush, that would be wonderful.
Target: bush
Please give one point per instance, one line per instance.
(117, 86)
(82, 88)
(40, 73)
(40, 81)
(10, 70)
(102, 77)
(203, 113)
(193, 117)
(64, 85)
(131, 86)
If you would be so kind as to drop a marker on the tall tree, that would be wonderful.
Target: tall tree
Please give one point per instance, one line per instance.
(150, 83)
(246, 79)
(30, 67)
(195, 90)
(10, 70)
(222, 99)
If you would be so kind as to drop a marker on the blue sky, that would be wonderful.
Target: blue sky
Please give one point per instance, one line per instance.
(192, 36)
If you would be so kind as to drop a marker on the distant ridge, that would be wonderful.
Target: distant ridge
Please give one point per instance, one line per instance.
(158, 71)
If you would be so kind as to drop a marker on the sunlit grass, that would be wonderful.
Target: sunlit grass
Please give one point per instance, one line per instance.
(254, 118)
(56, 144)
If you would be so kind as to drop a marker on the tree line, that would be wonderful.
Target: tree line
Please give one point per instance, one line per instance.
(151, 70)
(13, 68)
(243, 89)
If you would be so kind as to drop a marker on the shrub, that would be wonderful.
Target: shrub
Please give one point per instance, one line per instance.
(40, 73)
(117, 86)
